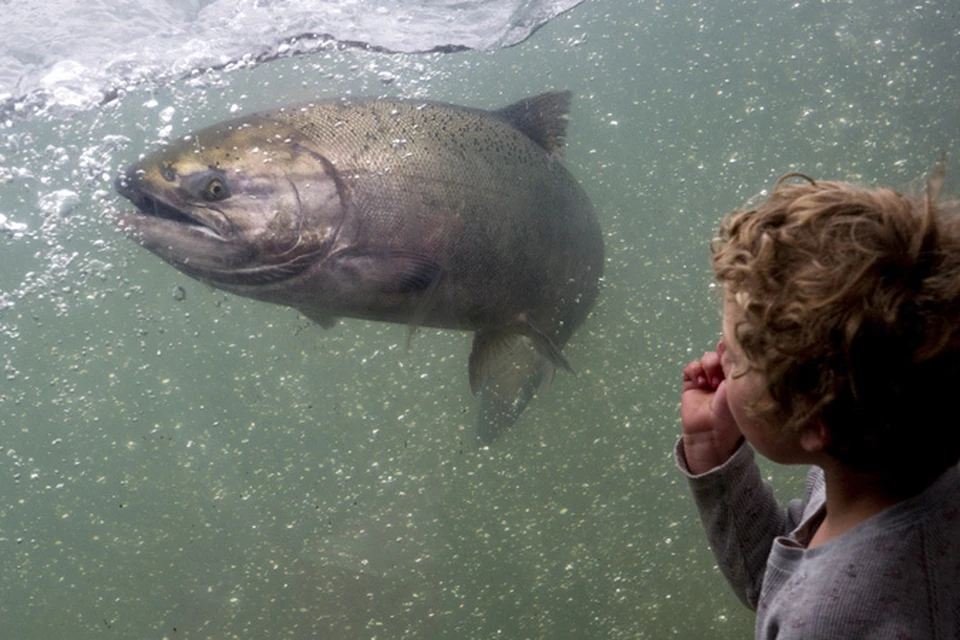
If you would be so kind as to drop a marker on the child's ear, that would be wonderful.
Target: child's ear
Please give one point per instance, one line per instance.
(814, 437)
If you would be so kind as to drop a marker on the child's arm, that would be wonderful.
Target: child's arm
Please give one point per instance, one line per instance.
(740, 515)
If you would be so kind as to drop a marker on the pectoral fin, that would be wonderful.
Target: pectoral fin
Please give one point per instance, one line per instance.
(388, 270)
(384, 270)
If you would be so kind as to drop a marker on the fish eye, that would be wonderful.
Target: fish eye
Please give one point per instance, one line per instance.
(168, 173)
(215, 189)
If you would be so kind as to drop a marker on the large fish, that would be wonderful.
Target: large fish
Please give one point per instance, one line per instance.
(398, 210)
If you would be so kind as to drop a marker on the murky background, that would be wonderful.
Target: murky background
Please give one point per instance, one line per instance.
(176, 462)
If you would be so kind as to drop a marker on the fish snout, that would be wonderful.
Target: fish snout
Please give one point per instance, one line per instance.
(124, 184)
(127, 185)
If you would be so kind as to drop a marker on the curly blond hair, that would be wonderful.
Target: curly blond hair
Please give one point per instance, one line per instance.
(851, 312)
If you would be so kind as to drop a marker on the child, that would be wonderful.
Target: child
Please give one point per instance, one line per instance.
(840, 349)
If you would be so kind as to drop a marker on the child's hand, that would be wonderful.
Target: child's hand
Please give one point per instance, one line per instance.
(710, 433)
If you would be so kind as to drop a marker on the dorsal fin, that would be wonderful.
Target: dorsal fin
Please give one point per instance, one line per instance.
(542, 118)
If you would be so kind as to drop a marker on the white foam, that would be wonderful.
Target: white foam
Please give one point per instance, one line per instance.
(63, 56)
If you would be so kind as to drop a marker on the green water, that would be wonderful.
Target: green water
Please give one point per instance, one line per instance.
(211, 467)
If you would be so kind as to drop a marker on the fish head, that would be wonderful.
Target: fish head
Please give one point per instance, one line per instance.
(244, 203)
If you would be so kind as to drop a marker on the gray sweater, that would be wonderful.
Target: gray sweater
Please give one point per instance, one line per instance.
(896, 575)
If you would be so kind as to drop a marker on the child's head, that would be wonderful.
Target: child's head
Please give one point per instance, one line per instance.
(851, 313)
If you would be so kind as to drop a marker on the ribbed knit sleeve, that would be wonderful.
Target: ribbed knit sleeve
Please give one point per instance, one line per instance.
(741, 518)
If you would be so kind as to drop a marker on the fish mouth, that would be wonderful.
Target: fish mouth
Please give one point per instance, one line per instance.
(201, 241)
(161, 211)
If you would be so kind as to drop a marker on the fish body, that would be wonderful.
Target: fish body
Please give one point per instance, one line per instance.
(404, 211)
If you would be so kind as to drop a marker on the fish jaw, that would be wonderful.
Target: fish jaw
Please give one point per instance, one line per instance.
(192, 242)
(239, 205)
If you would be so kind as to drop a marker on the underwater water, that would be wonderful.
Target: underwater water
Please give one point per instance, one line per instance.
(176, 462)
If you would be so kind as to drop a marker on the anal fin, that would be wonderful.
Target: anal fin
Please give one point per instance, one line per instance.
(507, 367)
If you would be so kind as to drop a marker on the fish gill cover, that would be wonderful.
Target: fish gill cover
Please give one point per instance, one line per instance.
(57, 57)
